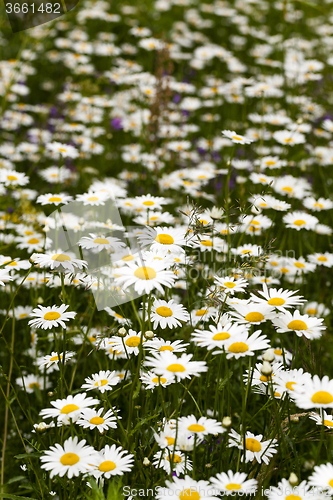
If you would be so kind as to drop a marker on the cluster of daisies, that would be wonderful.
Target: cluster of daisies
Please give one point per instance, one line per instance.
(161, 212)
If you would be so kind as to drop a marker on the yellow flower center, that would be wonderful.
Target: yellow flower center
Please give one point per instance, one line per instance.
(254, 317)
(51, 316)
(299, 222)
(62, 149)
(233, 486)
(330, 482)
(148, 203)
(252, 444)
(101, 382)
(127, 258)
(293, 497)
(276, 301)
(60, 257)
(189, 494)
(164, 239)
(69, 408)
(145, 273)
(278, 352)
(107, 466)
(201, 312)
(284, 270)
(101, 241)
(289, 385)
(162, 379)
(96, 420)
(69, 459)
(132, 341)
(322, 398)
(238, 347)
(229, 284)
(92, 198)
(170, 440)
(34, 384)
(164, 311)
(299, 265)
(318, 205)
(311, 311)
(176, 459)
(166, 348)
(236, 138)
(322, 259)
(23, 315)
(287, 188)
(54, 198)
(175, 367)
(297, 324)
(206, 243)
(33, 241)
(196, 428)
(56, 358)
(329, 424)
(221, 336)
(11, 178)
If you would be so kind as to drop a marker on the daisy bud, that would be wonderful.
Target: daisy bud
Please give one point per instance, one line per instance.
(226, 422)
(266, 368)
(293, 479)
(50, 394)
(208, 466)
(269, 355)
(146, 461)
(122, 332)
(149, 334)
(308, 464)
(32, 257)
(41, 427)
(294, 418)
(40, 300)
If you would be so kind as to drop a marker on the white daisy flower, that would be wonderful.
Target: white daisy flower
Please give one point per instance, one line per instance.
(145, 278)
(166, 363)
(202, 427)
(252, 313)
(168, 314)
(31, 382)
(231, 483)
(52, 360)
(112, 461)
(62, 150)
(151, 380)
(255, 447)
(59, 259)
(322, 477)
(315, 393)
(72, 459)
(218, 335)
(166, 238)
(54, 199)
(93, 199)
(93, 419)
(324, 419)
(68, 408)
(244, 345)
(280, 299)
(51, 317)
(103, 381)
(285, 491)
(230, 284)
(158, 344)
(236, 138)
(311, 327)
(102, 242)
(180, 463)
(300, 220)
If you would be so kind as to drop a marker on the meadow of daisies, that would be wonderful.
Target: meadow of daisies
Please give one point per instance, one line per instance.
(165, 252)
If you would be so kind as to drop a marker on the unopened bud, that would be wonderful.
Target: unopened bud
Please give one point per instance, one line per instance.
(149, 334)
(208, 466)
(226, 422)
(50, 394)
(269, 355)
(122, 332)
(40, 300)
(293, 479)
(146, 461)
(266, 368)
